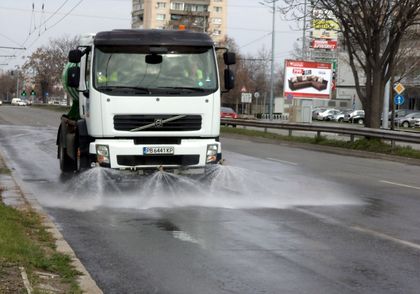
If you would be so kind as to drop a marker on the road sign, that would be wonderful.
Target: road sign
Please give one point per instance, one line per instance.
(246, 97)
(257, 95)
(33, 93)
(399, 100)
(399, 88)
(243, 89)
(23, 93)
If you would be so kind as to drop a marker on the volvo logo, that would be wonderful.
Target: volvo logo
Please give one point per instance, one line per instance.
(158, 122)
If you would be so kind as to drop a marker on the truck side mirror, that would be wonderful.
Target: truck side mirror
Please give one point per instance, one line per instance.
(229, 79)
(75, 56)
(73, 77)
(229, 58)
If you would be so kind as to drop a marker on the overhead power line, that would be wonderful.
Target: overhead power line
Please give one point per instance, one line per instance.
(15, 48)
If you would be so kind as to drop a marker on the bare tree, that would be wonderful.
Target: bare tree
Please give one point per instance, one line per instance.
(46, 64)
(372, 32)
(8, 85)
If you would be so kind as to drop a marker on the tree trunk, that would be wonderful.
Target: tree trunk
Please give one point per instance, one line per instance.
(373, 109)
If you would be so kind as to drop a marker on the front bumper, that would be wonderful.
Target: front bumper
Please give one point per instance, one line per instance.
(125, 154)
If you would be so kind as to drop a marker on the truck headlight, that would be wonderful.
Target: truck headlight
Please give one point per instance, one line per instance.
(211, 153)
(102, 154)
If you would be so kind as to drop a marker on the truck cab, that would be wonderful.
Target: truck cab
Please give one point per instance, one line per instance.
(146, 99)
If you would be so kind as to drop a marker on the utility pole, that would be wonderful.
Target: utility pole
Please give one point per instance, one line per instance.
(385, 105)
(304, 32)
(273, 2)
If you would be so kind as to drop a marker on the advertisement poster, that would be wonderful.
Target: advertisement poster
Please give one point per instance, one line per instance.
(324, 44)
(307, 79)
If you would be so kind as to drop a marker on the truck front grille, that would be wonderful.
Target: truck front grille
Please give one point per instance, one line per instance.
(135, 160)
(156, 123)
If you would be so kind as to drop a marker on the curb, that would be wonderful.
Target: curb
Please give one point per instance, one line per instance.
(18, 197)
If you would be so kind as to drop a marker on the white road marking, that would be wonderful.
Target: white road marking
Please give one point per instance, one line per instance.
(401, 185)
(282, 161)
(386, 237)
(383, 236)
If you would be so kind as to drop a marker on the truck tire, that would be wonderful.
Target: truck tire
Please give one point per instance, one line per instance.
(66, 163)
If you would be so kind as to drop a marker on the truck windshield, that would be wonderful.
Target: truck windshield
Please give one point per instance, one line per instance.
(184, 70)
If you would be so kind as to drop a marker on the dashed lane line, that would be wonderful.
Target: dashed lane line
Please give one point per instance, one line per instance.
(282, 161)
(401, 185)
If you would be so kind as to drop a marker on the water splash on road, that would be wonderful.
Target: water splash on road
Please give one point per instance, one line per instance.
(221, 186)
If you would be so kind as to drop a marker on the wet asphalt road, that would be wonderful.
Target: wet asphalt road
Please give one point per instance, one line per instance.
(275, 219)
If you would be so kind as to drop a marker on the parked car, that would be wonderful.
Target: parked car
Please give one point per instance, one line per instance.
(317, 110)
(227, 112)
(339, 117)
(356, 116)
(409, 120)
(327, 114)
(18, 102)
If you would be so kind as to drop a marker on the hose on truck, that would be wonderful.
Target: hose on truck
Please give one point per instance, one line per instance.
(73, 113)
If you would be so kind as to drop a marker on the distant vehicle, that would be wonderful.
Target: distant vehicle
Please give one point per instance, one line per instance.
(227, 112)
(356, 116)
(327, 114)
(317, 110)
(18, 102)
(409, 120)
(340, 116)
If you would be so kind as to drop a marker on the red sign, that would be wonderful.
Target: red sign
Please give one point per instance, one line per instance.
(324, 44)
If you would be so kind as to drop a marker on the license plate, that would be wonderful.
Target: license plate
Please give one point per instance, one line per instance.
(158, 150)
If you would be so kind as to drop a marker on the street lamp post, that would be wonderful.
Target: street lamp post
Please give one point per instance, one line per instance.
(270, 106)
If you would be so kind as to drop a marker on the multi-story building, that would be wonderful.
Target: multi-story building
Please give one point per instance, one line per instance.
(200, 15)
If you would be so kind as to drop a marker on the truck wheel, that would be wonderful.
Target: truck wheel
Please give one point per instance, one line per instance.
(66, 163)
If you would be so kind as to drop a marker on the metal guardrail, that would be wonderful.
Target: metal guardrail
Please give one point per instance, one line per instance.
(393, 136)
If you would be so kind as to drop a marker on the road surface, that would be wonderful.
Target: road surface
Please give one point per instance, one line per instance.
(274, 219)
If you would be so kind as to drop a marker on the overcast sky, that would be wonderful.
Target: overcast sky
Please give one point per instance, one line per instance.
(249, 24)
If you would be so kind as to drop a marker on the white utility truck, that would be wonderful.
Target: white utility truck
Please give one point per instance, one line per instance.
(142, 100)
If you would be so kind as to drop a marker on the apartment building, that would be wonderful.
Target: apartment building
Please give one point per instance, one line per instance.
(199, 15)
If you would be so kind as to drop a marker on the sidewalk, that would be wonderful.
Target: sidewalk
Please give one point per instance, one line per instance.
(13, 195)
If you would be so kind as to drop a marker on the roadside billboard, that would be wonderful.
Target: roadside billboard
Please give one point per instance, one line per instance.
(324, 44)
(325, 24)
(324, 34)
(307, 79)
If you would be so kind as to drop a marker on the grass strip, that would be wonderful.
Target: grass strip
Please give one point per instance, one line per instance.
(25, 241)
(371, 145)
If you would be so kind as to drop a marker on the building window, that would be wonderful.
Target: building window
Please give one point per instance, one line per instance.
(217, 32)
(217, 9)
(160, 5)
(217, 20)
(160, 16)
(196, 7)
(177, 6)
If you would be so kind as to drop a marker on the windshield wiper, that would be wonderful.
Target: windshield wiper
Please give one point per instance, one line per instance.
(111, 88)
(184, 89)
